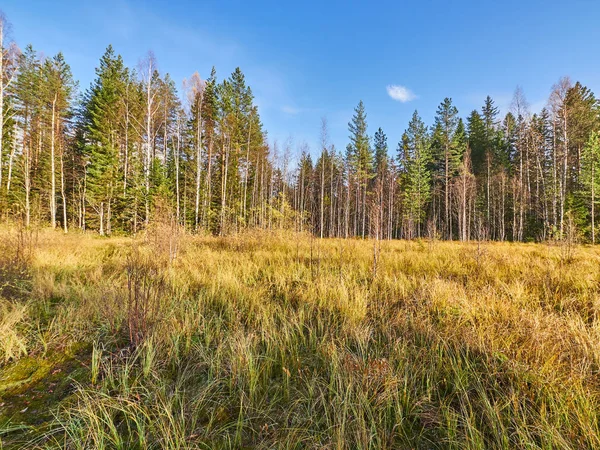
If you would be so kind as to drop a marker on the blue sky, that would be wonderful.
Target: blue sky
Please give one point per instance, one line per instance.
(310, 59)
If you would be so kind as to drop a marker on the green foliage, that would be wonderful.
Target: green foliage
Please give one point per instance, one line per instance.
(416, 157)
(102, 133)
(360, 156)
(132, 137)
(591, 174)
(380, 147)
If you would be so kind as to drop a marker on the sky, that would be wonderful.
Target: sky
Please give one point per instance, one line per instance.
(306, 60)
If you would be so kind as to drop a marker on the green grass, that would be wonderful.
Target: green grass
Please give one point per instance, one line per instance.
(273, 341)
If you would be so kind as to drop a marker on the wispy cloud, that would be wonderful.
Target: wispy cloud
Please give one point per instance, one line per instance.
(400, 93)
(291, 110)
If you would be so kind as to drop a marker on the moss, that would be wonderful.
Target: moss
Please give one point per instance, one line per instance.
(32, 388)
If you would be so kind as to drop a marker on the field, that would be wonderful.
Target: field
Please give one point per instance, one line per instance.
(285, 341)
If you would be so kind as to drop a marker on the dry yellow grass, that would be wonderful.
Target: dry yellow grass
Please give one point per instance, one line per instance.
(284, 341)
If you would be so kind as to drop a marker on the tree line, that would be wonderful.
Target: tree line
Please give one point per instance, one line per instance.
(131, 144)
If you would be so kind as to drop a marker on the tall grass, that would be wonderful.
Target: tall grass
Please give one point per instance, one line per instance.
(259, 341)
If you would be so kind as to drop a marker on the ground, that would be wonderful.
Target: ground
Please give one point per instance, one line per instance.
(280, 340)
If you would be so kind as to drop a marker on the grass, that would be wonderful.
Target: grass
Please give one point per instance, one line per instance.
(273, 341)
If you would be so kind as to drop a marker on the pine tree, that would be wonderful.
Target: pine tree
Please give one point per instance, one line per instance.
(380, 147)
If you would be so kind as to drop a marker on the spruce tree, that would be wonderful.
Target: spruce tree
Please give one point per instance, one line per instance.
(380, 147)
(361, 161)
(417, 157)
(101, 117)
(591, 176)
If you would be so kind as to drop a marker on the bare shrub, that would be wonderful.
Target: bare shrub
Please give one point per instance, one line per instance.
(568, 244)
(376, 233)
(146, 287)
(164, 233)
(17, 248)
(433, 234)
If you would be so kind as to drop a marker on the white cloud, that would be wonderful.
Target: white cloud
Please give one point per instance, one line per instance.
(400, 93)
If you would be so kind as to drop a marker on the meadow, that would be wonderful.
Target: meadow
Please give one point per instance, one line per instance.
(268, 340)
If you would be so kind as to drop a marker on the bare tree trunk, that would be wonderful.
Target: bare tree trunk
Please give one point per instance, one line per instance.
(101, 218)
(261, 195)
(302, 208)
(83, 200)
(79, 205)
(503, 207)
(52, 166)
(126, 162)
(391, 207)
(208, 196)
(198, 161)
(447, 192)
(224, 170)
(10, 165)
(177, 152)
(514, 210)
(464, 210)
(108, 218)
(63, 192)
(246, 172)
(322, 188)
(521, 194)
(2, 25)
(564, 177)
(554, 175)
(357, 208)
(488, 157)
(27, 177)
(331, 196)
(593, 202)
(149, 131)
(364, 208)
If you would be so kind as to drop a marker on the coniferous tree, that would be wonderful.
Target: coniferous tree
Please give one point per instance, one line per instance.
(9, 59)
(100, 123)
(59, 89)
(361, 162)
(416, 158)
(446, 121)
(28, 108)
(591, 176)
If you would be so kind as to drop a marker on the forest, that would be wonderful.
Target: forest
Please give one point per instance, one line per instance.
(104, 157)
